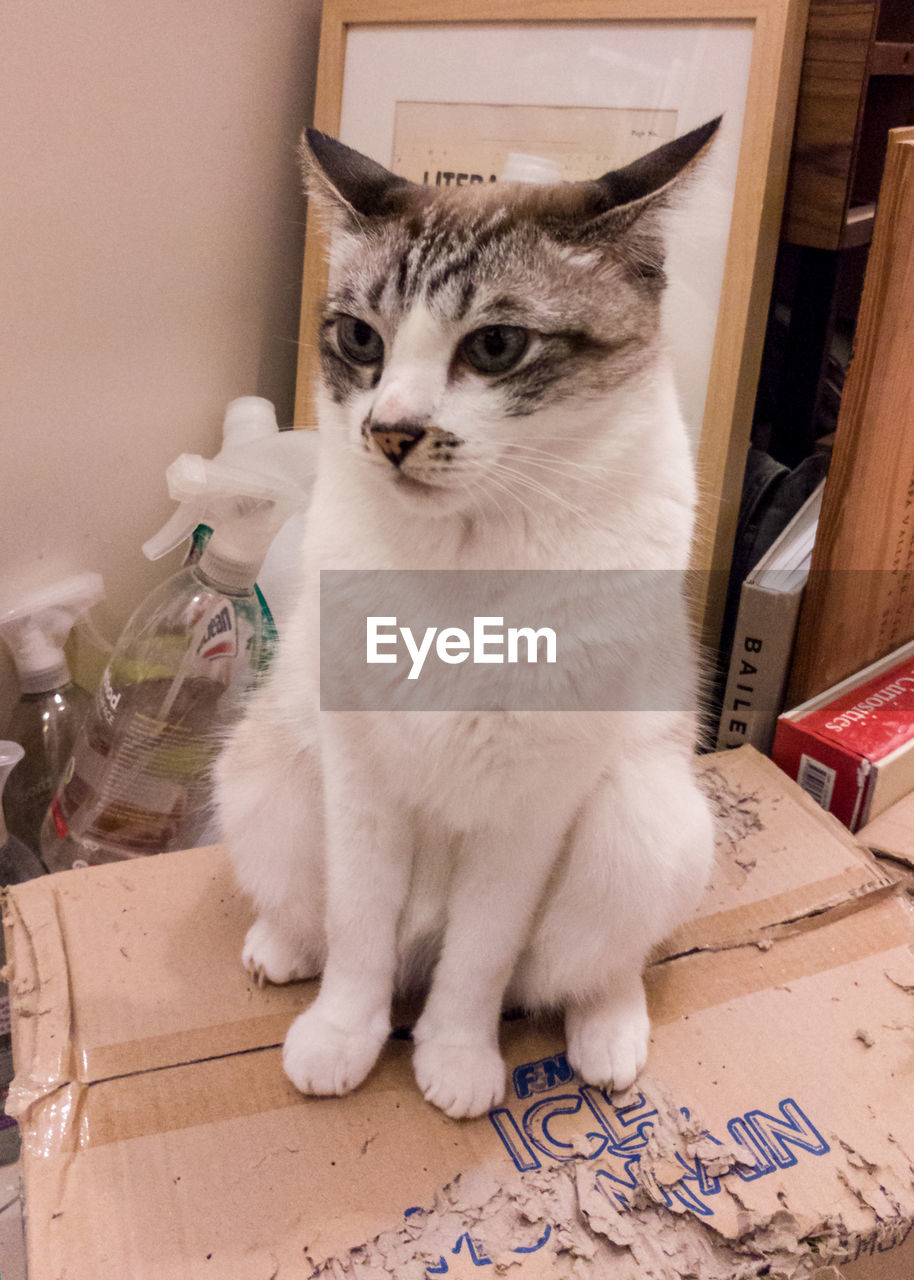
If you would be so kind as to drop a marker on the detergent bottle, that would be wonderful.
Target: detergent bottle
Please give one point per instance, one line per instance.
(138, 779)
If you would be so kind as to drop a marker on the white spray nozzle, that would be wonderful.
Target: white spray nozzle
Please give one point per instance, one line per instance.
(36, 629)
(246, 509)
(176, 529)
(251, 439)
(248, 418)
(249, 421)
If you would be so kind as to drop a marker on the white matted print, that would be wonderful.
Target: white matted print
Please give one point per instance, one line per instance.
(672, 75)
(459, 143)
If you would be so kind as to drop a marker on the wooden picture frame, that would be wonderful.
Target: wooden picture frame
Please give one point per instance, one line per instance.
(771, 38)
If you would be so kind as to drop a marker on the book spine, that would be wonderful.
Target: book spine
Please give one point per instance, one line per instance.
(759, 663)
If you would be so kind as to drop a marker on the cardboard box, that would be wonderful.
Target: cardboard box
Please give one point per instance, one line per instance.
(772, 1131)
(891, 838)
(852, 747)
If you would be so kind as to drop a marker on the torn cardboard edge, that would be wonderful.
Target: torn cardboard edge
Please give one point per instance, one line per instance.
(561, 1208)
(648, 1201)
(891, 835)
(741, 784)
(564, 1211)
(39, 988)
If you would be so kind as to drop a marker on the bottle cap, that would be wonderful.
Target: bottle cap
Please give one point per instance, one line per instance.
(36, 629)
(40, 663)
(227, 572)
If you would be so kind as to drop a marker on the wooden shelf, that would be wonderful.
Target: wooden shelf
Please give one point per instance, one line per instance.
(892, 58)
(856, 84)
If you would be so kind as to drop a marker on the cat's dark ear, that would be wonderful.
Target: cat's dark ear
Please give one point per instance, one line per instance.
(623, 211)
(650, 176)
(359, 186)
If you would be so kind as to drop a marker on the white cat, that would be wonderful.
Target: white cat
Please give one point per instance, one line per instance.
(495, 396)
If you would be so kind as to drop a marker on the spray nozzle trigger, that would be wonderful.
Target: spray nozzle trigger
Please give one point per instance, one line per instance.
(246, 509)
(36, 629)
(177, 529)
(251, 441)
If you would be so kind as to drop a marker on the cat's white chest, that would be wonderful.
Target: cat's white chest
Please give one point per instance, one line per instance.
(466, 769)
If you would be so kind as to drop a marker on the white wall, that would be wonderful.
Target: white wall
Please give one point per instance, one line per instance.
(152, 229)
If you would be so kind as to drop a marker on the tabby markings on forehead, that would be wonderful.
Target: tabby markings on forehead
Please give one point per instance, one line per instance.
(446, 247)
(467, 294)
(375, 292)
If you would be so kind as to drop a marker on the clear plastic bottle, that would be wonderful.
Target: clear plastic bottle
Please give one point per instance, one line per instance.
(138, 780)
(17, 863)
(45, 724)
(51, 707)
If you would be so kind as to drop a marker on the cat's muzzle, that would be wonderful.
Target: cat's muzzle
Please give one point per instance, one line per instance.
(432, 447)
(397, 440)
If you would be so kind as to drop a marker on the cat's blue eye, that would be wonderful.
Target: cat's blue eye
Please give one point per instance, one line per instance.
(496, 348)
(358, 341)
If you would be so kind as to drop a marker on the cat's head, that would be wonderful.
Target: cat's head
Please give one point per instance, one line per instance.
(472, 333)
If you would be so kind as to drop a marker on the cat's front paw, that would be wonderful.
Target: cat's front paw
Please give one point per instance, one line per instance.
(463, 1080)
(607, 1046)
(323, 1059)
(270, 956)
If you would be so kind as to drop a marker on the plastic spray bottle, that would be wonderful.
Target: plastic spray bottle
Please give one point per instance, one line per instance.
(51, 707)
(17, 863)
(138, 780)
(252, 441)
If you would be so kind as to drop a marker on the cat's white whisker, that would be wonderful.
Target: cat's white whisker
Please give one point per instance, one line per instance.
(490, 480)
(476, 503)
(608, 468)
(557, 499)
(595, 476)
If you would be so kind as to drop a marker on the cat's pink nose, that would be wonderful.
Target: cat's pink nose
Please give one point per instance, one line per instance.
(396, 440)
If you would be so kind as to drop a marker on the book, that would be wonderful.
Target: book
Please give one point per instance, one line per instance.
(766, 623)
(852, 747)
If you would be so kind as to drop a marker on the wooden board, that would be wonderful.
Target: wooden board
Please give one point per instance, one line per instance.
(859, 602)
(832, 89)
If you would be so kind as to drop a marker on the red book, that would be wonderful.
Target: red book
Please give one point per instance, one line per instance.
(852, 747)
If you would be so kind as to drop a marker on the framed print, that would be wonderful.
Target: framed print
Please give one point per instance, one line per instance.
(445, 93)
